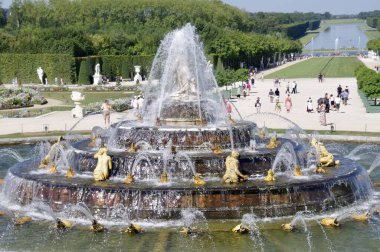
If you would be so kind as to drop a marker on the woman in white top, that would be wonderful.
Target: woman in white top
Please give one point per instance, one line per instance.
(309, 107)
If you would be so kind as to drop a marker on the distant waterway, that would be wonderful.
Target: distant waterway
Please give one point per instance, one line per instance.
(339, 36)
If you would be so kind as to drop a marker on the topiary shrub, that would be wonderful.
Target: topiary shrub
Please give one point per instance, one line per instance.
(84, 73)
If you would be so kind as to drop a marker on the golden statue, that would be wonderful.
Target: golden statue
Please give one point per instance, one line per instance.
(273, 143)
(240, 229)
(233, 174)
(96, 227)
(326, 159)
(53, 168)
(198, 180)
(262, 134)
(361, 217)
(330, 222)
(103, 166)
(287, 227)
(133, 229)
(297, 171)
(187, 230)
(69, 173)
(132, 148)
(22, 220)
(270, 177)
(129, 179)
(164, 177)
(52, 152)
(63, 224)
(216, 149)
(319, 169)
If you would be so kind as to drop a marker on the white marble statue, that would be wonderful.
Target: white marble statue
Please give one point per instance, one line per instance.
(40, 73)
(97, 69)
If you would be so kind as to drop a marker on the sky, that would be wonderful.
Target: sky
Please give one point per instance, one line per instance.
(318, 6)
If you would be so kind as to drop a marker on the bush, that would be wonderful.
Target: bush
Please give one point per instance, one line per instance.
(84, 73)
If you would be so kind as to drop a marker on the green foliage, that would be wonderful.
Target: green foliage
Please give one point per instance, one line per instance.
(374, 45)
(313, 25)
(24, 67)
(368, 82)
(84, 73)
(296, 30)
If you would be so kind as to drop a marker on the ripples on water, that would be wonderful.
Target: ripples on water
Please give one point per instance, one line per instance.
(213, 235)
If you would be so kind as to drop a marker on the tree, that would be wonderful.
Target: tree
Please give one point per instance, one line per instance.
(84, 73)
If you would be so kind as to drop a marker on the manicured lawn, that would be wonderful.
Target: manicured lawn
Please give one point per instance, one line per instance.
(342, 21)
(331, 67)
(90, 97)
(371, 33)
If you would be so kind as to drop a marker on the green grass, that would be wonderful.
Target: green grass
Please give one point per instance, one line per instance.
(90, 97)
(369, 103)
(342, 21)
(31, 112)
(371, 33)
(331, 67)
(43, 134)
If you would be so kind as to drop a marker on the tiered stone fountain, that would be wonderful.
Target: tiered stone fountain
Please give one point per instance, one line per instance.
(174, 156)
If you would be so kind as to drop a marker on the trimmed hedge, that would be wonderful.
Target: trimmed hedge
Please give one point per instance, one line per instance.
(297, 30)
(24, 66)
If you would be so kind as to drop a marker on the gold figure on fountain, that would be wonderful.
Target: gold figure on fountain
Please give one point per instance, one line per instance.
(297, 171)
(241, 228)
(273, 143)
(287, 226)
(216, 149)
(361, 217)
(330, 222)
(233, 174)
(270, 176)
(53, 168)
(129, 179)
(132, 148)
(96, 227)
(164, 177)
(198, 180)
(63, 224)
(133, 229)
(103, 166)
(326, 159)
(262, 134)
(70, 172)
(52, 152)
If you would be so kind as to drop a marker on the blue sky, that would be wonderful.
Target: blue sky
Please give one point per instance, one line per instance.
(319, 6)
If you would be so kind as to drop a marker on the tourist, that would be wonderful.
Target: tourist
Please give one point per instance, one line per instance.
(309, 106)
(229, 107)
(258, 105)
(277, 106)
(277, 93)
(271, 95)
(337, 103)
(287, 88)
(322, 113)
(262, 76)
(332, 102)
(344, 97)
(327, 103)
(320, 77)
(140, 102)
(288, 103)
(106, 108)
(339, 91)
(294, 86)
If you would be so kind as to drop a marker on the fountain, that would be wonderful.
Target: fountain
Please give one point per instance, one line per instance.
(174, 158)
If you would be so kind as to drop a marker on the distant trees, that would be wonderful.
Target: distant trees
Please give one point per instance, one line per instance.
(374, 45)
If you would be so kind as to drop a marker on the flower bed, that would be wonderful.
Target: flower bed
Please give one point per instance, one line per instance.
(20, 98)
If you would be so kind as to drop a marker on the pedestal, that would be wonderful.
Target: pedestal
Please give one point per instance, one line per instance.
(78, 111)
(97, 79)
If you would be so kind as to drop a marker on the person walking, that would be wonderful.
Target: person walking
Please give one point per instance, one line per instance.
(288, 103)
(287, 88)
(344, 97)
(339, 91)
(322, 113)
(271, 95)
(309, 106)
(277, 107)
(293, 87)
(337, 103)
(258, 105)
(106, 108)
(332, 102)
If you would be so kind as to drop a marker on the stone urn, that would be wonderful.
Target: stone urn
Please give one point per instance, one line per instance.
(137, 76)
(77, 97)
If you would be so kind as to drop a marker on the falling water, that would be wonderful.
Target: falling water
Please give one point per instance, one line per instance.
(81, 207)
(286, 159)
(299, 218)
(375, 164)
(362, 149)
(12, 154)
(329, 242)
(249, 220)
